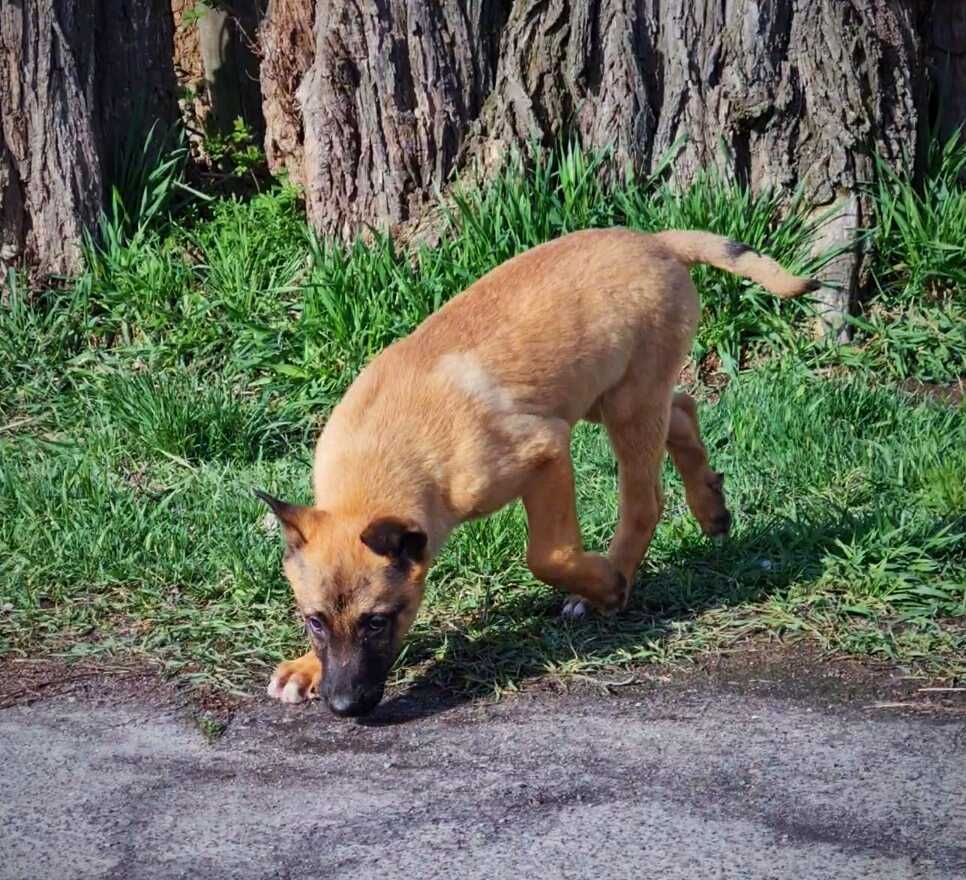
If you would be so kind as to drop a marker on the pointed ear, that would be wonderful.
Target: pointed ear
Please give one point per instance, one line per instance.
(297, 522)
(397, 539)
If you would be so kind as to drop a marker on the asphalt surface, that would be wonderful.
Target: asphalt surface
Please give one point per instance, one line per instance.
(695, 782)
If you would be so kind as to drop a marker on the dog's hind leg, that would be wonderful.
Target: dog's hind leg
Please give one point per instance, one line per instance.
(703, 487)
(295, 681)
(555, 550)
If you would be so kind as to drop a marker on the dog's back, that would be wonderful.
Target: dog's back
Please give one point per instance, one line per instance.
(544, 335)
(554, 326)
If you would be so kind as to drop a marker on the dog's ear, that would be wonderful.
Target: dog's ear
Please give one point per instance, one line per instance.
(297, 521)
(399, 540)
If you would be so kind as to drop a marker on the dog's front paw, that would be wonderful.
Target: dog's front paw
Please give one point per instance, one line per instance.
(296, 681)
(575, 608)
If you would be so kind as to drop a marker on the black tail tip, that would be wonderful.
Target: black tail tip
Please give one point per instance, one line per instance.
(735, 249)
(812, 285)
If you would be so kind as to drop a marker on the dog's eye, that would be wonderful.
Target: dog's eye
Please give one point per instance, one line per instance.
(377, 623)
(315, 624)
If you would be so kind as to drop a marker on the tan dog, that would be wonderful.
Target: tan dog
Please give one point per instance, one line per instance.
(475, 409)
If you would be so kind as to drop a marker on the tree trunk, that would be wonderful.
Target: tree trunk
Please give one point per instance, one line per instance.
(54, 181)
(388, 101)
(948, 56)
(226, 37)
(74, 82)
(286, 42)
(401, 94)
(13, 230)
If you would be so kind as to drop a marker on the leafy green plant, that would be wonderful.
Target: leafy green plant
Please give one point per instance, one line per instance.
(236, 151)
(915, 325)
(920, 233)
(146, 182)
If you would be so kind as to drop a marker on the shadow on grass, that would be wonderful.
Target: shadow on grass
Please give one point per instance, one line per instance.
(523, 635)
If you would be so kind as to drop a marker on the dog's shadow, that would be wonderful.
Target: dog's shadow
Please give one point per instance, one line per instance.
(529, 636)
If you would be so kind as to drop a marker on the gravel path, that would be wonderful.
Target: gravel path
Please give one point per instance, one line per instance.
(693, 782)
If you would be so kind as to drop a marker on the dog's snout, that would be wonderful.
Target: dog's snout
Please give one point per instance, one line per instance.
(353, 704)
(342, 705)
(722, 522)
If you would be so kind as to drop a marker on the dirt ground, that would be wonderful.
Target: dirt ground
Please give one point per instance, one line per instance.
(762, 766)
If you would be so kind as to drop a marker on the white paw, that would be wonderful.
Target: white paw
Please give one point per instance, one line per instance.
(289, 689)
(294, 692)
(275, 688)
(575, 608)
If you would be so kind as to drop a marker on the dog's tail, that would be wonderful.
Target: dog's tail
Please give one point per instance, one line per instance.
(733, 256)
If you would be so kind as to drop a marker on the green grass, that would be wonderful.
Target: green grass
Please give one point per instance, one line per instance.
(199, 353)
(914, 325)
(850, 526)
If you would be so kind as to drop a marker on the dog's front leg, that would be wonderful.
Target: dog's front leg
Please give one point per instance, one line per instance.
(555, 550)
(296, 681)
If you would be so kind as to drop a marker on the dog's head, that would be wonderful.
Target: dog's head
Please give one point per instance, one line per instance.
(358, 584)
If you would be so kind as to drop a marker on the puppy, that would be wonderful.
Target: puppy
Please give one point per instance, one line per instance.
(475, 409)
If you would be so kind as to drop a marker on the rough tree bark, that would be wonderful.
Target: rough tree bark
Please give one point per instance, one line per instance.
(286, 41)
(12, 219)
(802, 91)
(74, 80)
(401, 94)
(948, 56)
(226, 38)
(388, 101)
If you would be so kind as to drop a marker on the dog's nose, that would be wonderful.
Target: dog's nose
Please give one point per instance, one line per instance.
(721, 524)
(349, 706)
(342, 705)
